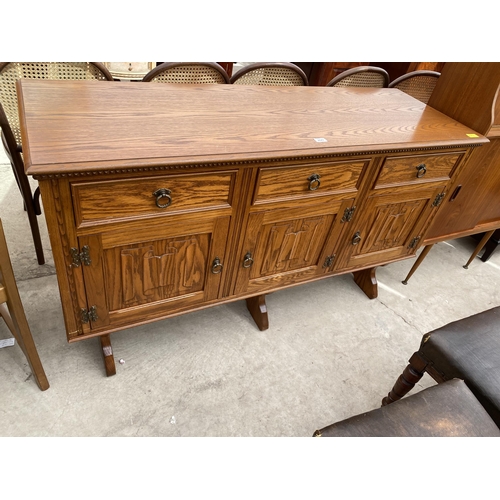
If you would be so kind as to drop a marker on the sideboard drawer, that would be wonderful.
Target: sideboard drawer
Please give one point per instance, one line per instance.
(129, 198)
(416, 169)
(311, 180)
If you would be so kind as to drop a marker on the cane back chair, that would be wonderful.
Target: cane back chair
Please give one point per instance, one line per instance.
(418, 84)
(361, 76)
(10, 72)
(187, 72)
(276, 74)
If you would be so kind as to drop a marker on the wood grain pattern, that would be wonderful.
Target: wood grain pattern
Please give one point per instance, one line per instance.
(131, 198)
(84, 125)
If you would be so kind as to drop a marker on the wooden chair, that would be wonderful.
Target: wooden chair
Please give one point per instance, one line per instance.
(418, 84)
(12, 311)
(10, 72)
(274, 74)
(188, 72)
(361, 76)
(468, 349)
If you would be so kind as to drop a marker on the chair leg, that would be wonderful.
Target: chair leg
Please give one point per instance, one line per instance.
(32, 207)
(407, 380)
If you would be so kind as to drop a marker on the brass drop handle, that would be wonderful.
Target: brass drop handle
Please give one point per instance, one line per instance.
(163, 194)
(421, 170)
(247, 260)
(217, 266)
(356, 239)
(314, 182)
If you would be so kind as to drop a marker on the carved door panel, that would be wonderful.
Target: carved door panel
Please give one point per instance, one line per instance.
(284, 246)
(137, 273)
(389, 226)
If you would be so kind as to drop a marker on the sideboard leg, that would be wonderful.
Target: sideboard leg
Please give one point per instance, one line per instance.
(258, 310)
(419, 260)
(107, 352)
(367, 281)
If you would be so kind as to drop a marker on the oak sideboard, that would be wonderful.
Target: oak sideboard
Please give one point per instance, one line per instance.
(161, 199)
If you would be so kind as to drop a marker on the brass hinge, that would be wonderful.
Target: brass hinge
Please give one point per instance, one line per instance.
(413, 242)
(329, 261)
(90, 315)
(348, 213)
(79, 258)
(438, 200)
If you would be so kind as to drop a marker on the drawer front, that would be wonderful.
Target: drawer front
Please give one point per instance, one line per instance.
(416, 169)
(124, 199)
(307, 181)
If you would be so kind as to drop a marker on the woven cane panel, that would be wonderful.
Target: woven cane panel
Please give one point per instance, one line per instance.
(42, 70)
(362, 79)
(284, 77)
(190, 74)
(419, 87)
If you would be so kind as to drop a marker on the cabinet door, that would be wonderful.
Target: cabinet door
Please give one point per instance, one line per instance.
(141, 272)
(285, 246)
(389, 226)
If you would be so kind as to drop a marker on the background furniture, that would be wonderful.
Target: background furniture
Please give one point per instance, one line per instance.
(468, 92)
(362, 76)
(445, 410)
(187, 72)
(12, 311)
(418, 84)
(281, 74)
(468, 349)
(203, 196)
(133, 71)
(10, 72)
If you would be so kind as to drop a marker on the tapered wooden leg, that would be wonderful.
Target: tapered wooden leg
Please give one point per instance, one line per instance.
(419, 260)
(407, 380)
(107, 352)
(479, 247)
(258, 310)
(367, 281)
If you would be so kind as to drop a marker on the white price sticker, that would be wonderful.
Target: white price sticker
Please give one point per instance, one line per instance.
(320, 139)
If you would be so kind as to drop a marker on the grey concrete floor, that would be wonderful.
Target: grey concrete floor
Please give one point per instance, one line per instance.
(329, 353)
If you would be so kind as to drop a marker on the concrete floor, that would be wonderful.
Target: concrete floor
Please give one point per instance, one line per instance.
(329, 353)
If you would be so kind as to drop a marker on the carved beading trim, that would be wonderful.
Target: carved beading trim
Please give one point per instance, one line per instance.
(236, 163)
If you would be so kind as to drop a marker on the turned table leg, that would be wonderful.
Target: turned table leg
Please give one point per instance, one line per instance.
(419, 260)
(107, 352)
(479, 247)
(258, 310)
(367, 281)
(407, 380)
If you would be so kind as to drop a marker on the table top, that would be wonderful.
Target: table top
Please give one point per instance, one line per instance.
(70, 126)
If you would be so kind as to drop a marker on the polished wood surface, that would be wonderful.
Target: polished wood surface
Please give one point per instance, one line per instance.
(250, 202)
(78, 126)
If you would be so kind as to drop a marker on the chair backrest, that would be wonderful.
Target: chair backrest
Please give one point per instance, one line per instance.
(12, 71)
(361, 76)
(274, 74)
(188, 72)
(418, 84)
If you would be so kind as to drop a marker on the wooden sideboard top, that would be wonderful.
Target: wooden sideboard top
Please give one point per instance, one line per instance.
(77, 126)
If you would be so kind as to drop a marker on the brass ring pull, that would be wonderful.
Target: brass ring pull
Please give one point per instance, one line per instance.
(247, 260)
(314, 182)
(421, 170)
(356, 239)
(163, 193)
(217, 266)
